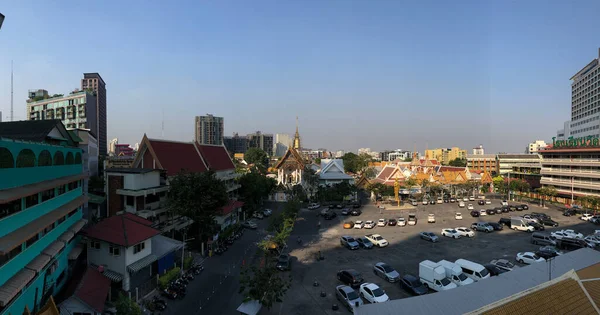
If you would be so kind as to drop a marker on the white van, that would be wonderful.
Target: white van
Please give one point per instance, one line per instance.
(473, 270)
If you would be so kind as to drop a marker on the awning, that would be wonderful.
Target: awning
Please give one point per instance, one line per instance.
(250, 307)
(75, 252)
(39, 262)
(14, 285)
(77, 226)
(17, 237)
(54, 248)
(66, 237)
(112, 275)
(11, 194)
(140, 264)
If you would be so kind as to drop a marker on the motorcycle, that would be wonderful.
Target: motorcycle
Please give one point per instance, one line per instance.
(189, 276)
(170, 293)
(159, 304)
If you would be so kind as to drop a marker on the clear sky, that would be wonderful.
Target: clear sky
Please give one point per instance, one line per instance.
(379, 74)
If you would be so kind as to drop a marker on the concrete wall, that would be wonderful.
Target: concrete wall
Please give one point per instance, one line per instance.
(141, 181)
(130, 257)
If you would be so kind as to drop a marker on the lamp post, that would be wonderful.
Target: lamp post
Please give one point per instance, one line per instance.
(183, 250)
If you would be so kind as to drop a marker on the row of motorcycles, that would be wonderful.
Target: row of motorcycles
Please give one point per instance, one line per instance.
(222, 247)
(177, 287)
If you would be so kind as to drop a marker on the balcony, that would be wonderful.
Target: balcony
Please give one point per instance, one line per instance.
(142, 192)
(576, 173)
(568, 183)
(575, 162)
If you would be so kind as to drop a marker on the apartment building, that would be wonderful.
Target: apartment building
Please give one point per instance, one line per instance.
(506, 162)
(76, 110)
(482, 162)
(209, 129)
(93, 82)
(236, 144)
(572, 167)
(535, 146)
(41, 200)
(263, 141)
(445, 155)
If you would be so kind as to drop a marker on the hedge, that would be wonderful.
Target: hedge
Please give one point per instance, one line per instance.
(164, 280)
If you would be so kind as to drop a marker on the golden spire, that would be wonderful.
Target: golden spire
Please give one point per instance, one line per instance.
(297, 137)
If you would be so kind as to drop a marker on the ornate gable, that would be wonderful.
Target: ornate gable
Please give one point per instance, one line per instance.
(486, 178)
(291, 160)
(145, 151)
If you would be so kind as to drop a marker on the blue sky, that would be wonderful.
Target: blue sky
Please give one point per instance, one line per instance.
(379, 74)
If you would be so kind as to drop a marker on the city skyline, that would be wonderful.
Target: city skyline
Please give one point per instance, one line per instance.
(387, 76)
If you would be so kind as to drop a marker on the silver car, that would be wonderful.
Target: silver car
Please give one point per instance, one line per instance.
(347, 296)
(429, 236)
(386, 272)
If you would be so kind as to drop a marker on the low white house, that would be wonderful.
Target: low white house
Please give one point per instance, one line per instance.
(332, 172)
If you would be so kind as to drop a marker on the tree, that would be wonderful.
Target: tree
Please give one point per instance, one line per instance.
(263, 284)
(318, 161)
(370, 173)
(257, 157)
(127, 306)
(312, 180)
(200, 197)
(458, 162)
(410, 182)
(408, 159)
(255, 188)
(350, 162)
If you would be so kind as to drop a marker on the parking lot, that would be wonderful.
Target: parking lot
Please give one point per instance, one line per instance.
(405, 252)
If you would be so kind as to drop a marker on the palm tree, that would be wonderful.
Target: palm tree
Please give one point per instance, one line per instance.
(542, 192)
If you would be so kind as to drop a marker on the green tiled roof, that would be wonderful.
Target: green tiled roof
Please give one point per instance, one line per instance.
(75, 136)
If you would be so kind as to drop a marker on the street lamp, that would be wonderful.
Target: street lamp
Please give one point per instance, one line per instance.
(183, 250)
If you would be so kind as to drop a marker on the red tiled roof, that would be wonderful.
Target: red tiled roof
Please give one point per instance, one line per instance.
(93, 289)
(123, 229)
(177, 156)
(385, 172)
(233, 204)
(451, 169)
(216, 157)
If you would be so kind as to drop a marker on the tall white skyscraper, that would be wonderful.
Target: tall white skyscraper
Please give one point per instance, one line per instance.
(281, 143)
(112, 146)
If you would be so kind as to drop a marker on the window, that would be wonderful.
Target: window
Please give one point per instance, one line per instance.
(12, 254)
(32, 240)
(45, 158)
(47, 195)
(6, 158)
(61, 190)
(72, 213)
(78, 155)
(59, 158)
(114, 250)
(72, 185)
(70, 160)
(10, 208)
(94, 245)
(129, 200)
(61, 277)
(63, 219)
(152, 198)
(31, 201)
(139, 247)
(49, 228)
(26, 158)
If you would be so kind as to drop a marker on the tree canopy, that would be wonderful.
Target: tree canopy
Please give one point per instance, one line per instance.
(127, 306)
(458, 162)
(198, 196)
(356, 163)
(257, 157)
(255, 188)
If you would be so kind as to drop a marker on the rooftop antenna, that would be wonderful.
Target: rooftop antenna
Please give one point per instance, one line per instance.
(163, 125)
(12, 118)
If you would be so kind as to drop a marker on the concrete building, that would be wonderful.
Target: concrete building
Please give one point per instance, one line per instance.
(282, 142)
(124, 149)
(397, 154)
(112, 146)
(482, 162)
(585, 103)
(209, 129)
(93, 82)
(572, 167)
(118, 161)
(478, 150)
(76, 110)
(535, 146)
(445, 155)
(236, 144)
(263, 141)
(506, 162)
(41, 200)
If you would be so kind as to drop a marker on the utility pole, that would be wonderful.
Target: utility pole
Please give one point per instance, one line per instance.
(12, 117)
(508, 187)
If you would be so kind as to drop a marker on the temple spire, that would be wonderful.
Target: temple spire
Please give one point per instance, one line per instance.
(297, 137)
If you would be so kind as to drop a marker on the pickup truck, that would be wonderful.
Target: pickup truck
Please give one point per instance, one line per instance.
(377, 240)
(482, 227)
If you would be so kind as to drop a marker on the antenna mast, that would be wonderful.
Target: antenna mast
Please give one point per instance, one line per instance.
(163, 125)
(12, 118)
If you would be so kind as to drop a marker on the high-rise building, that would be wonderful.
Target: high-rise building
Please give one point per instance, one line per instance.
(263, 141)
(112, 146)
(76, 110)
(209, 129)
(93, 82)
(585, 103)
(236, 144)
(445, 155)
(535, 146)
(282, 142)
(478, 150)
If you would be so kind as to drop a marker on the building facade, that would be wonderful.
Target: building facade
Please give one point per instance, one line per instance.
(535, 146)
(236, 144)
(445, 155)
(585, 103)
(482, 162)
(41, 200)
(93, 82)
(572, 167)
(282, 142)
(209, 129)
(506, 162)
(478, 150)
(263, 141)
(77, 110)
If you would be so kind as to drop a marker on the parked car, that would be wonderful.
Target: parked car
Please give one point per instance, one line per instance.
(566, 234)
(504, 203)
(348, 225)
(494, 271)
(512, 208)
(520, 208)
(538, 238)
(392, 222)
(466, 199)
(463, 231)
(412, 219)
(482, 227)
(528, 258)
(490, 211)
(431, 218)
(283, 262)
(350, 277)
(413, 285)
(569, 243)
(348, 297)
(329, 215)
(496, 226)
(531, 218)
(432, 202)
(586, 216)
(377, 240)
(470, 207)
(536, 226)
(429, 236)
(250, 225)
(349, 242)
(569, 212)
(458, 216)
(461, 204)
(525, 207)
(481, 202)
(488, 202)
(548, 252)
(345, 211)
(314, 206)
(401, 222)
(386, 272)
(483, 212)
(452, 233)
(548, 222)
(425, 202)
(369, 224)
(382, 222)
(505, 221)
(452, 200)
(359, 224)
(503, 264)
(364, 242)
(258, 215)
(373, 293)
(267, 212)
(592, 240)
(355, 212)
(475, 213)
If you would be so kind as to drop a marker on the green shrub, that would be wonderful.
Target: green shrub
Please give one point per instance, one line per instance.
(187, 262)
(164, 280)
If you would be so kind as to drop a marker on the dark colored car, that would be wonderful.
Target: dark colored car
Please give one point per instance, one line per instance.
(356, 205)
(547, 221)
(496, 226)
(356, 212)
(546, 254)
(432, 202)
(569, 212)
(413, 285)
(540, 215)
(392, 222)
(520, 208)
(364, 242)
(283, 262)
(481, 202)
(329, 215)
(536, 226)
(501, 210)
(505, 221)
(506, 209)
(571, 243)
(494, 271)
(525, 207)
(475, 213)
(490, 211)
(350, 277)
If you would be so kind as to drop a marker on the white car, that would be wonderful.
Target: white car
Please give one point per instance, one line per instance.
(267, 212)
(566, 233)
(488, 202)
(461, 204)
(401, 222)
(382, 222)
(482, 212)
(458, 216)
(359, 224)
(377, 240)
(373, 293)
(425, 202)
(586, 216)
(593, 240)
(472, 198)
(470, 207)
(369, 224)
(450, 233)
(465, 199)
(528, 258)
(431, 218)
(313, 206)
(463, 231)
(504, 203)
